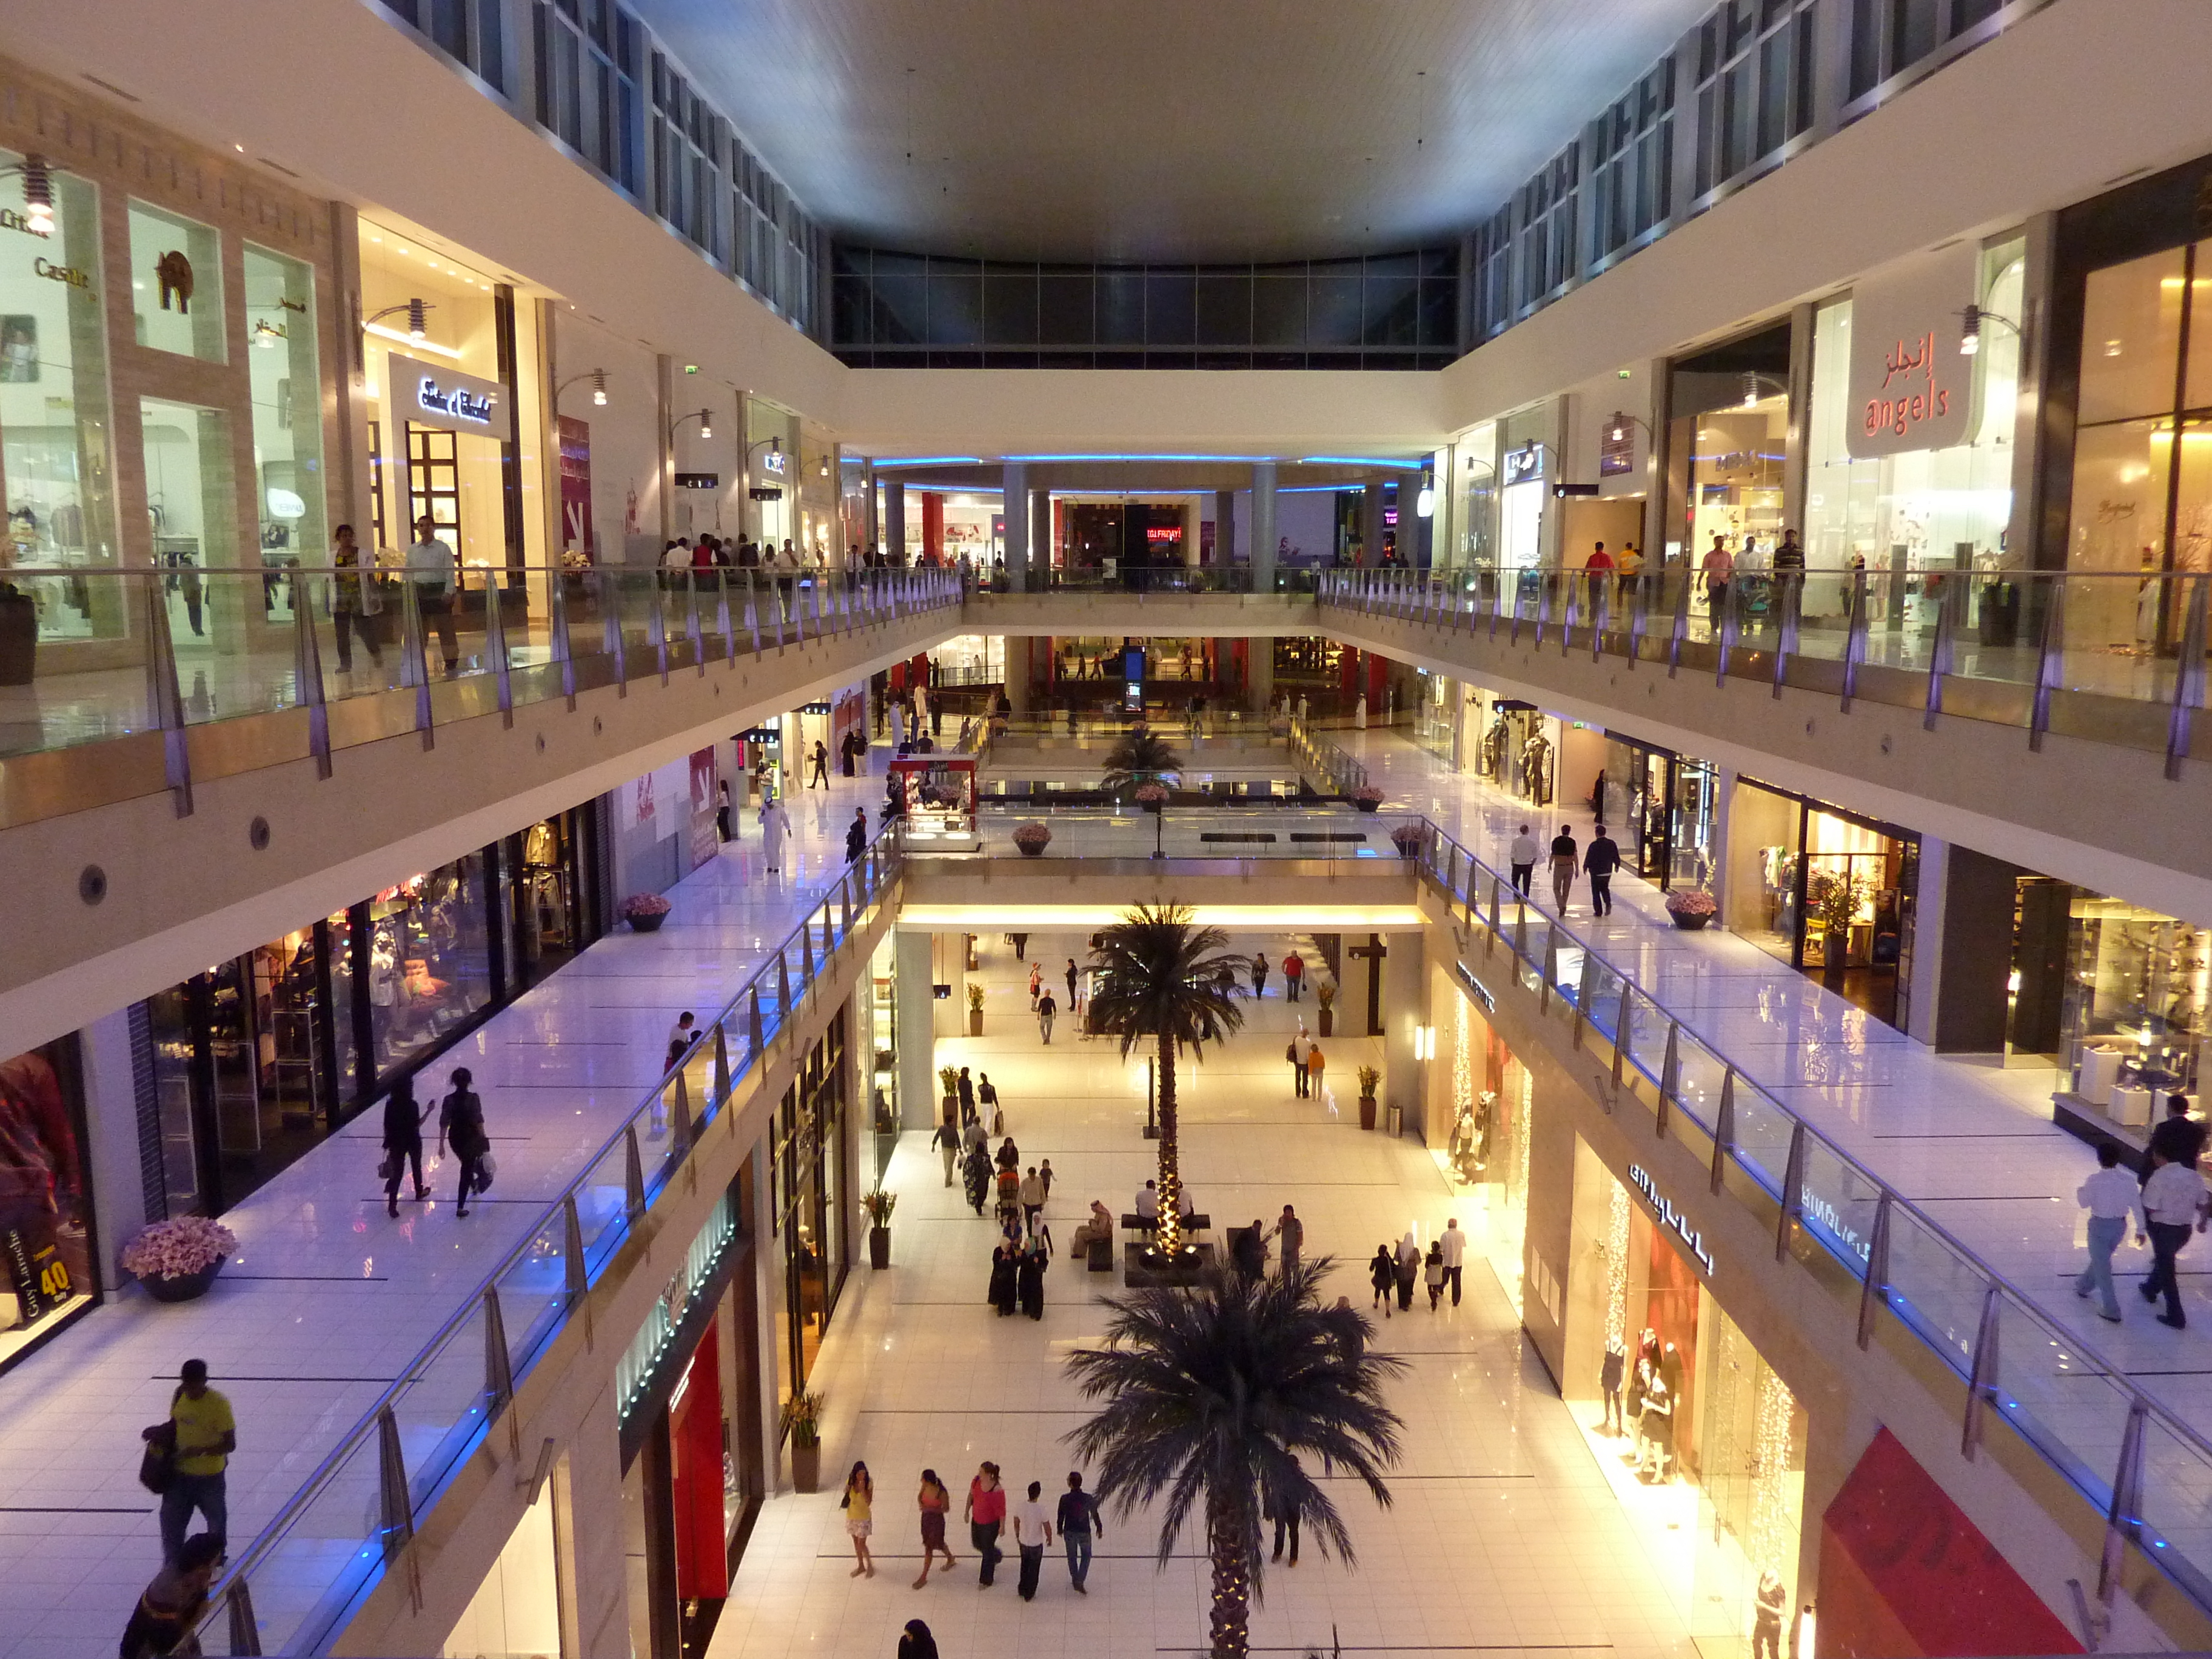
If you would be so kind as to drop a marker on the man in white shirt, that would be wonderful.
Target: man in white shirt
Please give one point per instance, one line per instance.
(1148, 1202)
(1301, 1046)
(2109, 1196)
(1032, 1532)
(1453, 1243)
(2174, 1200)
(430, 566)
(1522, 855)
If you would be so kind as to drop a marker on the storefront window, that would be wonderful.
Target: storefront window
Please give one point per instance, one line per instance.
(1478, 498)
(192, 505)
(1936, 508)
(1485, 1146)
(55, 461)
(2133, 1020)
(549, 905)
(1700, 1439)
(429, 963)
(880, 1018)
(1725, 449)
(1519, 749)
(45, 1207)
(806, 1177)
(288, 428)
(176, 283)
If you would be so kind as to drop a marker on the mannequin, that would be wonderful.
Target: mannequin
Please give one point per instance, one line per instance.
(1493, 748)
(1536, 768)
(1609, 1376)
(1359, 713)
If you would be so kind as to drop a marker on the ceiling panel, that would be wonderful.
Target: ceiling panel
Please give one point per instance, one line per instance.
(1133, 130)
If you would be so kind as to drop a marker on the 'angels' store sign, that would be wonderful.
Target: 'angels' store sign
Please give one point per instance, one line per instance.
(1911, 389)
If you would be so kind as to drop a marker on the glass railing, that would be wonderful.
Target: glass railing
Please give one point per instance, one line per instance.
(1195, 830)
(2127, 1455)
(2131, 638)
(88, 654)
(1150, 579)
(307, 1571)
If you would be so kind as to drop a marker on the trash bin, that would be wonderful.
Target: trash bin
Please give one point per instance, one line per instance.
(1391, 1119)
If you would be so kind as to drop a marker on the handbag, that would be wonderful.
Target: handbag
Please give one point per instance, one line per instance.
(157, 1467)
(388, 1169)
(486, 1167)
(1291, 1052)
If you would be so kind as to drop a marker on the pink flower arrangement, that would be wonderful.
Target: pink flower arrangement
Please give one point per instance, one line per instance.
(1151, 793)
(177, 1249)
(1032, 834)
(646, 904)
(1368, 795)
(1691, 902)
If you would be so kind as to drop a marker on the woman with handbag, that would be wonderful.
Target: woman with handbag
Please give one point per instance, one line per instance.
(402, 1143)
(461, 1122)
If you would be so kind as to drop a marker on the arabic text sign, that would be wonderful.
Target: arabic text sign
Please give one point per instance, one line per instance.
(1909, 388)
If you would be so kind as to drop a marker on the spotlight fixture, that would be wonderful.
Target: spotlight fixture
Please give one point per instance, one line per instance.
(706, 424)
(1970, 328)
(600, 387)
(38, 195)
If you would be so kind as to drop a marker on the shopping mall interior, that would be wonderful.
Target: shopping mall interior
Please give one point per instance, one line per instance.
(768, 773)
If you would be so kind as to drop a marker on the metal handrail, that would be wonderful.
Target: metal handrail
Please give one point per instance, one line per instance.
(886, 859)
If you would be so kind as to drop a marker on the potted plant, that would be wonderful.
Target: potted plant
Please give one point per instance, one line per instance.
(880, 1205)
(1325, 995)
(644, 912)
(1151, 796)
(950, 1077)
(975, 1009)
(1033, 839)
(1367, 797)
(1834, 897)
(1408, 838)
(802, 1420)
(1692, 907)
(1369, 1076)
(177, 1261)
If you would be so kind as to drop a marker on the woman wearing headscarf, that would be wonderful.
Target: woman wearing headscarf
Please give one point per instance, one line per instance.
(1030, 1275)
(1005, 1270)
(1409, 1269)
(976, 1174)
(917, 1642)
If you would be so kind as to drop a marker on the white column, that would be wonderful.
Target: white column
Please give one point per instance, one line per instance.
(917, 1041)
(1405, 1010)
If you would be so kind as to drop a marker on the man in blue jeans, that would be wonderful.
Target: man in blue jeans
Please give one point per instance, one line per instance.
(1079, 1519)
(206, 1434)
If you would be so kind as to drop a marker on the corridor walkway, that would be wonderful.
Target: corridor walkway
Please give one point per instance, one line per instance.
(1968, 1140)
(325, 1299)
(1505, 1533)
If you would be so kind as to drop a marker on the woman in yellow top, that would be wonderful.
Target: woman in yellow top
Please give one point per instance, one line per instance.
(858, 1504)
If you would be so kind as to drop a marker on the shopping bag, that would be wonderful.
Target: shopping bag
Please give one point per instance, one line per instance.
(486, 1167)
(157, 1467)
(389, 1169)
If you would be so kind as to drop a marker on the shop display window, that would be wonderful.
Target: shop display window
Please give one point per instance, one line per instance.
(55, 460)
(516, 1611)
(429, 960)
(1519, 751)
(1926, 509)
(192, 505)
(176, 283)
(46, 1205)
(2133, 1014)
(806, 1174)
(1485, 1150)
(287, 425)
(1477, 519)
(1700, 1439)
(1726, 453)
(879, 1018)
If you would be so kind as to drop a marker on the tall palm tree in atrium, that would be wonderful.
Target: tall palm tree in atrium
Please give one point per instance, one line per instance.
(1160, 977)
(1210, 1397)
(1138, 756)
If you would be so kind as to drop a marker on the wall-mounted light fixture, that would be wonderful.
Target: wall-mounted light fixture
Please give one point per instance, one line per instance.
(38, 179)
(597, 377)
(706, 419)
(1970, 328)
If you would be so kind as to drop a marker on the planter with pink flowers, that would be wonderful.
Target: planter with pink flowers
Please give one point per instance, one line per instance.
(178, 1260)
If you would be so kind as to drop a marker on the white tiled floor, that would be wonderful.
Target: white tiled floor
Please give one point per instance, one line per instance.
(326, 1299)
(1505, 1532)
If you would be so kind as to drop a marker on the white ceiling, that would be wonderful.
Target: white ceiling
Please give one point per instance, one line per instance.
(1135, 130)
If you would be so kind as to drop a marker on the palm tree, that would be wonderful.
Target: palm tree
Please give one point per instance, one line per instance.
(1209, 1396)
(1141, 756)
(1159, 976)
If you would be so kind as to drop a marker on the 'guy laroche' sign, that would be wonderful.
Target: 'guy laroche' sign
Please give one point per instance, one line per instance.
(432, 394)
(1670, 1218)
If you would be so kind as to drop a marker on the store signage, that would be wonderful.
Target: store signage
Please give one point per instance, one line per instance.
(434, 395)
(765, 493)
(1483, 994)
(1909, 388)
(698, 481)
(1157, 534)
(1616, 447)
(13, 219)
(1524, 464)
(774, 462)
(1670, 1218)
(72, 275)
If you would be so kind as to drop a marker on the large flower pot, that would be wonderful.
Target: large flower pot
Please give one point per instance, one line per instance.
(1327, 1021)
(1367, 1111)
(974, 1022)
(879, 1247)
(181, 1287)
(648, 924)
(1368, 806)
(1032, 849)
(1689, 921)
(806, 1467)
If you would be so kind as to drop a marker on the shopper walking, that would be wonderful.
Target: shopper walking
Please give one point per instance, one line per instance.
(1382, 1275)
(2110, 1196)
(858, 1504)
(1295, 1052)
(1046, 1009)
(1044, 1178)
(681, 1036)
(1072, 979)
(976, 1177)
(776, 832)
(947, 1142)
(722, 810)
(819, 777)
(205, 1434)
(2174, 1200)
(1284, 1513)
(1563, 867)
(1290, 1238)
(1079, 1521)
(2178, 1138)
(1294, 976)
(933, 1499)
(1409, 1269)
(856, 835)
(1029, 1274)
(1432, 1273)
(402, 1143)
(1600, 859)
(966, 1090)
(353, 600)
(172, 1602)
(461, 1125)
(1454, 1248)
(986, 1096)
(1718, 569)
(1036, 984)
(1316, 1064)
(1259, 974)
(1032, 1532)
(1003, 1288)
(917, 1642)
(430, 566)
(1522, 855)
(1032, 1191)
(987, 1516)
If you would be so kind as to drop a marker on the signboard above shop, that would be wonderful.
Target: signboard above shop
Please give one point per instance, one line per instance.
(1909, 387)
(1524, 464)
(698, 481)
(437, 395)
